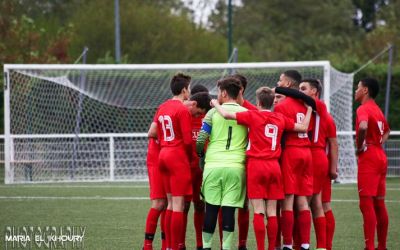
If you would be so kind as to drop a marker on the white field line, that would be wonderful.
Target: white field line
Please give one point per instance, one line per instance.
(20, 198)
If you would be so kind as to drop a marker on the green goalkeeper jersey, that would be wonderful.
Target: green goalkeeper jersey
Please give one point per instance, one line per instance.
(227, 140)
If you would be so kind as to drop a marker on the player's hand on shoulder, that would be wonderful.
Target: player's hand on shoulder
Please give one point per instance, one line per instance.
(214, 102)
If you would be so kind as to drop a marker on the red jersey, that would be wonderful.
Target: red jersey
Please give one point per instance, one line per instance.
(265, 132)
(248, 105)
(377, 124)
(294, 109)
(196, 126)
(173, 124)
(324, 126)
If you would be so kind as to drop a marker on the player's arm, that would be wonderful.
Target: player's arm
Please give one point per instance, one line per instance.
(294, 93)
(385, 136)
(185, 120)
(204, 133)
(222, 111)
(303, 126)
(333, 157)
(152, 130)
(362, 134)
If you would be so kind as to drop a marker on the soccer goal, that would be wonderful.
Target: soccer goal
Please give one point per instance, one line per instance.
(66, 123)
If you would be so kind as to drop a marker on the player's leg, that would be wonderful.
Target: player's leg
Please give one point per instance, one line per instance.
(212, 192)
(198, 204)
(210, 221)
(287, 221)
(228, 226)
(319, 220)
(232, 196)
(272, 224)
(369, 218)
(382, 217)
(329, 217)
(330, 224)
(243, 225)
(259, 222)
(186, 209)
(304, 220)
(198, 221)
(278, 240)
(157, 207)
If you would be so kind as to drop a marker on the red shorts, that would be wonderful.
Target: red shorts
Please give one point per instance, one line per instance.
(320, 168)
(155, 180)
(326, 193)
(372, 168)
(297, 171)
(264, 179)
(175, 171)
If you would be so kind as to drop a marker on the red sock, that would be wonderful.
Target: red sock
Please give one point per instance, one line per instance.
(278, 234)
(382, 223)
(369, 217)
(259, 230)
(183, 237)
(296, 231)
(176, 229)
(151, 227)
(330, 229)
(305, 226)
(243, 223)
(320, 231)
(168, 232)
(220, 226)
(272, 230)
(163, 241)
(286, 222)
(198, 226)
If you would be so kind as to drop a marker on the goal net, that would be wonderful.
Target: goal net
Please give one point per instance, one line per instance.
(90, 122)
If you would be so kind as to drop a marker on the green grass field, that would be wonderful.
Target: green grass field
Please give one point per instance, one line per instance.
(114, 213)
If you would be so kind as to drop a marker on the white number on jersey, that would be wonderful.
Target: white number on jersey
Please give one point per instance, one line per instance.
(166, 125)
(271, 131)
(299, 119)
(381, 127)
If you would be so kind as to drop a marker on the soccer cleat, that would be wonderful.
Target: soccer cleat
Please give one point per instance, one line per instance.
(242, 248)
(199, 248)
(302, 248)
(287, 248)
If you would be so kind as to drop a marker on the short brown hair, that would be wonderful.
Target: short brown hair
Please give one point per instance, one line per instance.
(178, 82)
(265, 96)
(242, 79)
(231, 85)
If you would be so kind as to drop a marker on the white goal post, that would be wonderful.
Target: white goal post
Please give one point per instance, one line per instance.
(66, 123)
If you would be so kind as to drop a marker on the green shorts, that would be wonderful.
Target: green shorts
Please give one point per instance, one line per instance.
(224, 186)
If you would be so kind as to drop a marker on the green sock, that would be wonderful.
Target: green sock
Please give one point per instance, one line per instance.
(227, 239)
(207, 240)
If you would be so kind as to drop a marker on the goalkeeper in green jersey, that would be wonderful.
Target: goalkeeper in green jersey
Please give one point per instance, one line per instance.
(224, 171)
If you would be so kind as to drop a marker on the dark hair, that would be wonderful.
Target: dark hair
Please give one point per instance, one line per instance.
(265, 96)
(242, 80)
(178, 82)
(231, 85)
(294, 76)
(198, 88)
(202, 99)
(315, 84)
(372, 85)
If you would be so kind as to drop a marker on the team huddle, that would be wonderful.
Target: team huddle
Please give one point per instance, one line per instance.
(280, 156)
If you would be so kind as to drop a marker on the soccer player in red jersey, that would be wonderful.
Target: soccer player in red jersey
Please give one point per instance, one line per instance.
(296, 168)
(372, 130)
(322, 135)
(157, 195)
(175, 136)
(199, 95)
(264, 180)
